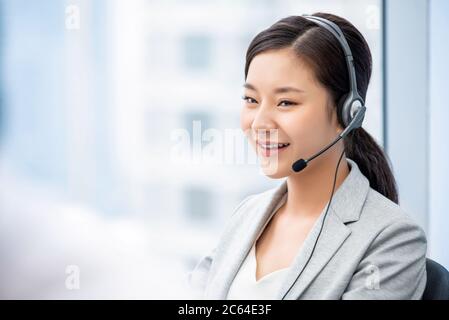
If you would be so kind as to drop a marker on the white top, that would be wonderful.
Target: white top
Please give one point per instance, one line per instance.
(246, 287)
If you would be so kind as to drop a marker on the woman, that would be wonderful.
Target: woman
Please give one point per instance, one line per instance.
(333, 229)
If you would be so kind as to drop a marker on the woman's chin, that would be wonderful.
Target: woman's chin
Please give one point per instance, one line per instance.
(273, 170)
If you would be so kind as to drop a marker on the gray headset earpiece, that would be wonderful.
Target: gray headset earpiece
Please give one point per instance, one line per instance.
(349, 108)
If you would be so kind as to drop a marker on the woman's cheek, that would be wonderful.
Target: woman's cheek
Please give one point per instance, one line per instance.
(299, 131)
(245, 120)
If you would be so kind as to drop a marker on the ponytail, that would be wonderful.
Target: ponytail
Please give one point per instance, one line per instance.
(361, 147)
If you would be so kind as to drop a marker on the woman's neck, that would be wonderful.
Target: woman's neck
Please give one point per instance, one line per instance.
(310, 190)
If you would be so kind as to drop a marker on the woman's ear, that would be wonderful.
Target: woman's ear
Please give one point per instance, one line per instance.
(333, 116)
(339, 128)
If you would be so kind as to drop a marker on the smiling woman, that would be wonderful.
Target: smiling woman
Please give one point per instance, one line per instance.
(306, 83)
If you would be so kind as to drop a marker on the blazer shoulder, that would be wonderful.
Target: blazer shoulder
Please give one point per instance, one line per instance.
(387, 241)
(380, 211)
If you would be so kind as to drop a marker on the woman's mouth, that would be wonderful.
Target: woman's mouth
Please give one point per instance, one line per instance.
(269, 149)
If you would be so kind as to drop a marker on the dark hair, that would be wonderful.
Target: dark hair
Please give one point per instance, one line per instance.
(323, 53)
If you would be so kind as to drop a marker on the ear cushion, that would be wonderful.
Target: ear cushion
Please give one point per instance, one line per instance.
(343, 112)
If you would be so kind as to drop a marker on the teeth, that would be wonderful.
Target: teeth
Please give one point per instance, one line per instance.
(274, 145)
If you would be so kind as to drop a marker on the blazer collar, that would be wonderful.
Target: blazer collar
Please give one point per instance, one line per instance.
(346, 206)
(349, 198)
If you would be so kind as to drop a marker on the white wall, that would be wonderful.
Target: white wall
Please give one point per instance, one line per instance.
(406, 77)
(417, 112)
(439, 132)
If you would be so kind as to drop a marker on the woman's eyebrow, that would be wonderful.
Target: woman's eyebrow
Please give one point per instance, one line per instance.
(287, 89)
(277, 90)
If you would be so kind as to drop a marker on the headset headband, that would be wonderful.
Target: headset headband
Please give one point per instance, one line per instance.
(336, 31)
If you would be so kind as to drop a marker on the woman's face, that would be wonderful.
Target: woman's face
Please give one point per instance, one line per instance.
(284, 103)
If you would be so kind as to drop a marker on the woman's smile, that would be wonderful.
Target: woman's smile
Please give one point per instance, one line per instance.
(268, 149)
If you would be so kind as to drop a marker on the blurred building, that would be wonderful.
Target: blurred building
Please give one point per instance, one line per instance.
(94, 93)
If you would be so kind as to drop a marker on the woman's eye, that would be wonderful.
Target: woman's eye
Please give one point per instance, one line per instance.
(286, 103)
(249, 99)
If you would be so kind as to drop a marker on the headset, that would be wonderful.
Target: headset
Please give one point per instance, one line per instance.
(350, 108)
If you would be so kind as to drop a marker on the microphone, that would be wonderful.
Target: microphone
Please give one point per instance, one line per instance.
(302, 163)
(356, 122)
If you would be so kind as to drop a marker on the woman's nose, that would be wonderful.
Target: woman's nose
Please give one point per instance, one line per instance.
(263, 120)
(264, 127)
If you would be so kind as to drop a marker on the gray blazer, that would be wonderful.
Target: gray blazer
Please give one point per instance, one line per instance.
(368, 249)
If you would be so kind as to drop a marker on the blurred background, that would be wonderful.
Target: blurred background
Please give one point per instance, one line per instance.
(95, 201)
